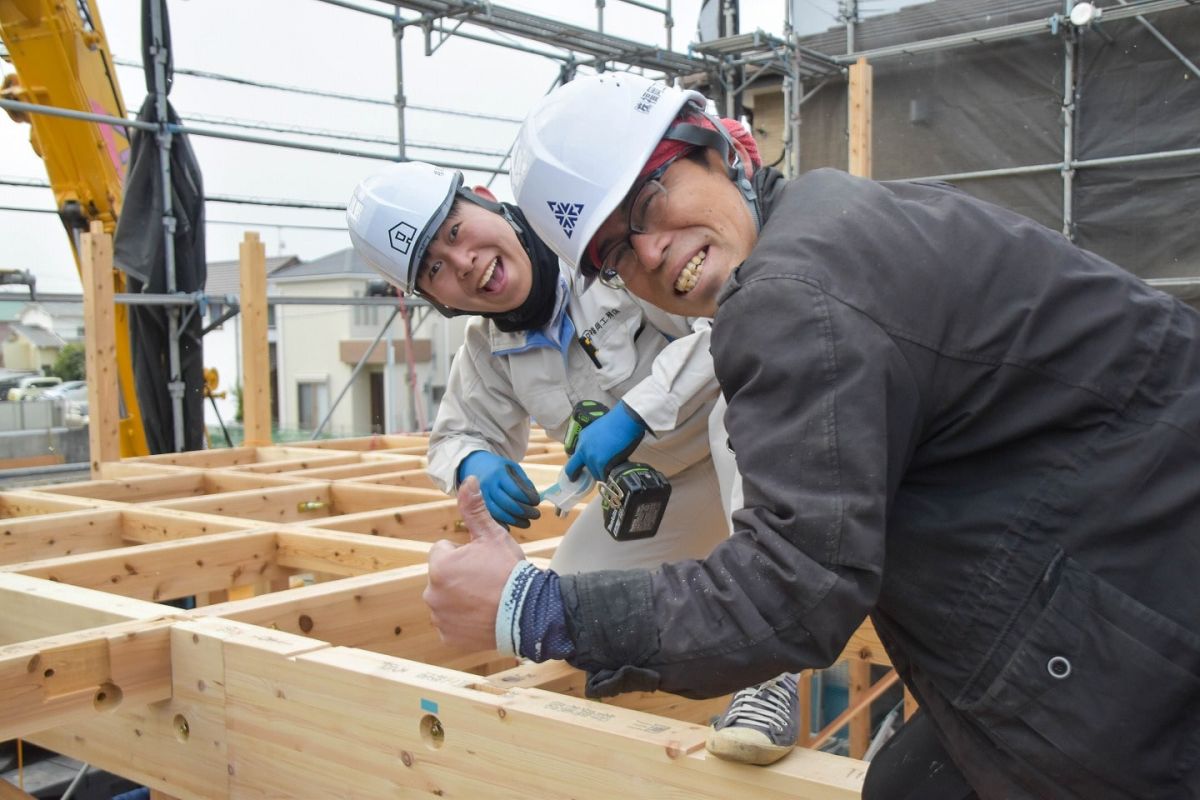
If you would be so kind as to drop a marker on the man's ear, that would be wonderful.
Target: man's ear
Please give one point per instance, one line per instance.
(485, 193)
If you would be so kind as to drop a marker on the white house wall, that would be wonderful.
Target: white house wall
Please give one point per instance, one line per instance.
(309, 339)
(222, 351)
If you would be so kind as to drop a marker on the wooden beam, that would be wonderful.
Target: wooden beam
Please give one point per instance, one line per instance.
(295, 502)
(361, 469)
(344, 554)
(860, 109)
(256, 363)
(352, 498)
(428, 522)
(35, 608)
(59, 679)
(382, 612)
(460, 737)
(374, 443)
(864, 645)
(860, 724)
(100, 354)
(265, 696)
(415, 478)
(804, 683)
(167, 570)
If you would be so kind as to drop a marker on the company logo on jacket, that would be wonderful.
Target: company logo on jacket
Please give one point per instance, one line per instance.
(606, 317)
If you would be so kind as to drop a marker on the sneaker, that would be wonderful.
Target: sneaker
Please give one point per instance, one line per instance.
(761, 724)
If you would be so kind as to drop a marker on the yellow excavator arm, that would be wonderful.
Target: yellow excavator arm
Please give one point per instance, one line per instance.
(62, 59)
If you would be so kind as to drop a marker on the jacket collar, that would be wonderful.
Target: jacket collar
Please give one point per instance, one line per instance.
(768, 185)
(555, 334)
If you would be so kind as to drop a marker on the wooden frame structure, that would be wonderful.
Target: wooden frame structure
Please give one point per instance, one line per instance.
(309, 667)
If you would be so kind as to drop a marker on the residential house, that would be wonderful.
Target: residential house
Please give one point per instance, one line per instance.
(31, 347)
(319, 345)
(60, 315)
(223, 344)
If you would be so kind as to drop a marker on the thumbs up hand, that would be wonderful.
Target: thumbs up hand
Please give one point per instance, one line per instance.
(465, 583)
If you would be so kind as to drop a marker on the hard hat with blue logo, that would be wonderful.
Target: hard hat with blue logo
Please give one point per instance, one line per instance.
(581, 148)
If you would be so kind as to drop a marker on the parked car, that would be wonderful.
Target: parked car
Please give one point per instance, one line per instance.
(76, 415)
(30, 388)
(10, 378)
(67, 390)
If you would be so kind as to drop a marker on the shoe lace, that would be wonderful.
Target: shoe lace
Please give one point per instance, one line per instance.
(765, 706)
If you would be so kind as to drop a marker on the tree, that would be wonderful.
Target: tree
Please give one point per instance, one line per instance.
(71, 363)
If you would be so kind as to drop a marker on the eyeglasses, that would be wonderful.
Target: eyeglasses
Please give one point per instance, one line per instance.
(646, 210)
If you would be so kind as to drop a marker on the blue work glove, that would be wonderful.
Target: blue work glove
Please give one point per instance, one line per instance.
(606, 442)
(507, 492)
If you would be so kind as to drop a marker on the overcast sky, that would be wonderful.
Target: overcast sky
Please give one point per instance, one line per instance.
(314, 44)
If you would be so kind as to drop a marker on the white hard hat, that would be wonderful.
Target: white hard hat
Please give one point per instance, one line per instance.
(394, 214)
(581, 148)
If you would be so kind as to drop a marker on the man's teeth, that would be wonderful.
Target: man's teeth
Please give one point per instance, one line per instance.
(487, 274)
(690, 276)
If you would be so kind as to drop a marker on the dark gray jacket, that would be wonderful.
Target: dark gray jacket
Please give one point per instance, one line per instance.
(951, 419)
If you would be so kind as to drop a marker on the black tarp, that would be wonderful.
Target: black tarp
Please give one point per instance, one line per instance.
(1000, 104)
(140, 251)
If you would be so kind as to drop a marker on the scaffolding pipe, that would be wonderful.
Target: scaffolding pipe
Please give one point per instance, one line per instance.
(429, 26)
(87, 116)
(1005, 32)
(1069, 106)
(175, 385)
(1086, 163)
(793, 90)
(1175, 51)
(398, 37)
(360, 9)
(184, 299)
(507, 155)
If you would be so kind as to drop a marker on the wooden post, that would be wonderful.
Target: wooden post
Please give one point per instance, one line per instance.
(860, 725)
(104, 413)
(256, 365)
(804, 693)
(910, 705)
(859, 104)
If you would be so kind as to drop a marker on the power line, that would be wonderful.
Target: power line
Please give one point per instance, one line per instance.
(87, 116)
(33, 183)
(240, 223)
(275, 202)
(334, 134)
(355, 98)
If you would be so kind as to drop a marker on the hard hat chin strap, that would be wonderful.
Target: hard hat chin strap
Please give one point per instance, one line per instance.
(720, 140)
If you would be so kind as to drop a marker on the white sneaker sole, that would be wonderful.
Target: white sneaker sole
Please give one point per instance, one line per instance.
(745, 746)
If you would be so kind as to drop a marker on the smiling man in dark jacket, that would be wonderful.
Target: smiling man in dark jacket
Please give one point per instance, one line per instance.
(946, 416)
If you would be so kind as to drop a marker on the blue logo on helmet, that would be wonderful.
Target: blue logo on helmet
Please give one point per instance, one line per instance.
(567, 215)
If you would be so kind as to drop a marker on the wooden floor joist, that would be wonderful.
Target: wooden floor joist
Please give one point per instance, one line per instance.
(309, 666)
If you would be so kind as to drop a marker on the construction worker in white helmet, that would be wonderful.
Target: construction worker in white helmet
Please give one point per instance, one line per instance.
(537, 347)
(946, 416)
